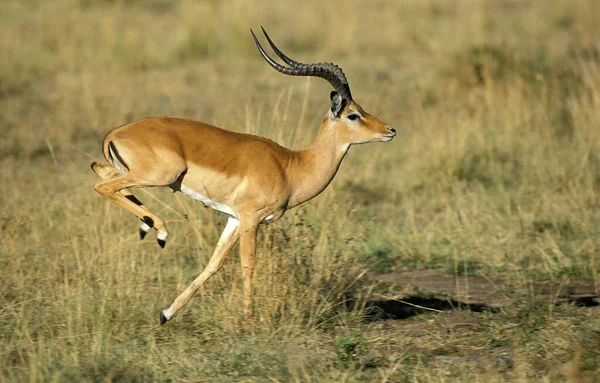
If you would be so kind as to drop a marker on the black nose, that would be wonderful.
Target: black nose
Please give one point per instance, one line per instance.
(392, 130)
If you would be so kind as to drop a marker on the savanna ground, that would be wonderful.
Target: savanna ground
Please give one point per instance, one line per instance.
(484, 212)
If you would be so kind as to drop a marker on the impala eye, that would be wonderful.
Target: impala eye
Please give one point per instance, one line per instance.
(353, 117)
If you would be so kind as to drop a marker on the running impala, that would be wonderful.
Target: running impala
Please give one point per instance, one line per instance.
(250, 179)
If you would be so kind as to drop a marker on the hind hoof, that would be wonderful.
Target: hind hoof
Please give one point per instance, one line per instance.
(161, 237)
(163, 318)
(144, 229)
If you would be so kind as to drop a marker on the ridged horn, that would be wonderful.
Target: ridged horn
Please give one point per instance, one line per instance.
(328, 71)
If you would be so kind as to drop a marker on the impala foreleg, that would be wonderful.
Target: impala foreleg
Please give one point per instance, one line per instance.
(115, 190)
(247, 252)
(226, 242)
(106, 171)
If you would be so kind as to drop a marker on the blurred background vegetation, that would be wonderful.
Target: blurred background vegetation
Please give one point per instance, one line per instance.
(495, 173)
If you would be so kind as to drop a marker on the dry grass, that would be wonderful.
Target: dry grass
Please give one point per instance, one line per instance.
(496, 171)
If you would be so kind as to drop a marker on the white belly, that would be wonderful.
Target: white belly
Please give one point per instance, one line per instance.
(208, 202)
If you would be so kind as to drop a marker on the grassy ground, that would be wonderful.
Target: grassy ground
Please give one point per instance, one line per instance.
(495, 173)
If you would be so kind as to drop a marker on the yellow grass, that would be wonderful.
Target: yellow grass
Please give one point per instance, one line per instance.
(495, 171)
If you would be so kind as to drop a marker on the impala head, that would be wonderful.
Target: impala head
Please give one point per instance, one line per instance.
(354, 125)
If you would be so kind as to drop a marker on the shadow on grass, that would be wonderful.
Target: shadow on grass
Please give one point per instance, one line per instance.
(411, 306)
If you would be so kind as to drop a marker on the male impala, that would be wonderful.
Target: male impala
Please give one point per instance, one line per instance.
(251, 179)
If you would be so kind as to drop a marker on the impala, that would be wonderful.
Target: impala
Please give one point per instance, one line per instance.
(251, 179)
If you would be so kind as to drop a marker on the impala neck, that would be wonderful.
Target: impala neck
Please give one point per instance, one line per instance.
(312, 169)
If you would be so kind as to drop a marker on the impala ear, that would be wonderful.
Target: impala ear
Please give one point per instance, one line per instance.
(337, 103)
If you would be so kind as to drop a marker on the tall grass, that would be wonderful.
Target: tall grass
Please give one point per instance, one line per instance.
(496, 168)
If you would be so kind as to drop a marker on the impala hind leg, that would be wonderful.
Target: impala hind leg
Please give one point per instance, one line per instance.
(106, 171)
(226, 242)
(114, 190)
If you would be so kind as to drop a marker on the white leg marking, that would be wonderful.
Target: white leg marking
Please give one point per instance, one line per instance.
(162, 235)
(167, 313)
(145, 228)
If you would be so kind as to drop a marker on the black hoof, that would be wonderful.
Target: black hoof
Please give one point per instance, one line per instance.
(162, 243)
(163, 318)
(142, 234)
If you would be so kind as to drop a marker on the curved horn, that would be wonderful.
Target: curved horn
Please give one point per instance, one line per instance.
(279, 53)
(328, 71)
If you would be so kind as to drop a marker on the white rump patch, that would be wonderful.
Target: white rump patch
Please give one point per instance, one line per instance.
(119, 168)
(345, 148)
(208, 202)
(115, 163)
